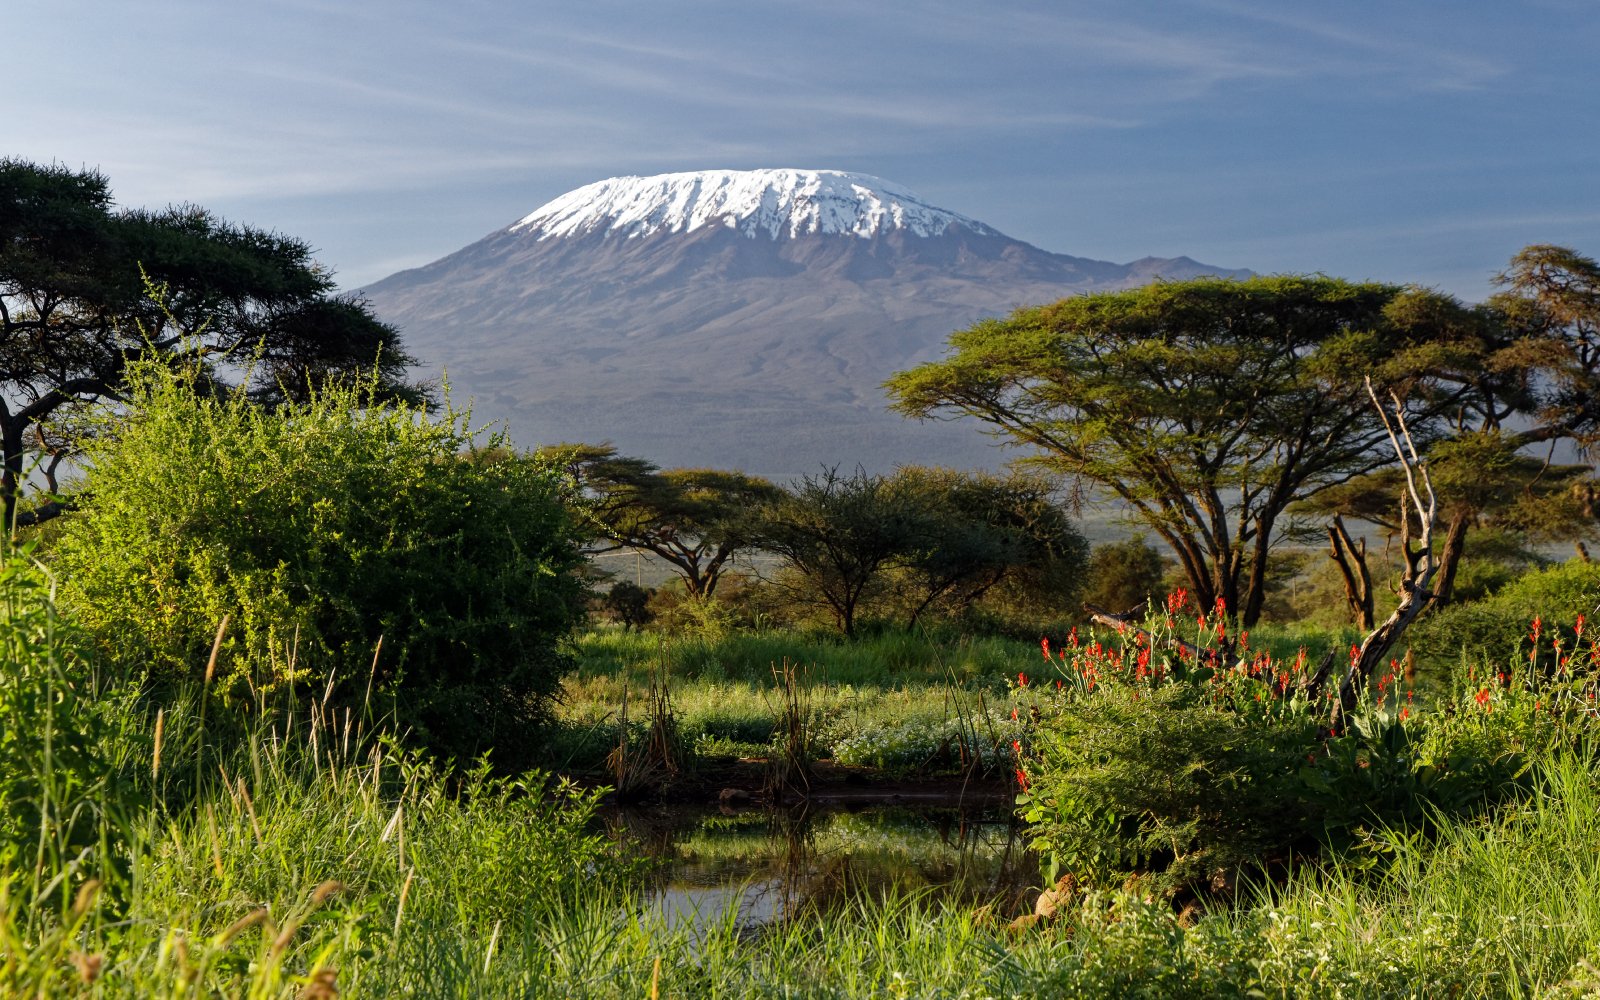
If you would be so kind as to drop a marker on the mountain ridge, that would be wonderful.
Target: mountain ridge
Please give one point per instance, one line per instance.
(727, 344)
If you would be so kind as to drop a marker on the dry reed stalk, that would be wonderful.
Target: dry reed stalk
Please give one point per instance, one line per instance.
(87, 894)
(216, 647)
(250, 809)
(216, 842)
(366, 699)
(405, 890)
(233, 930)
(155, 760)
(318, 897)
(789, 765)
(488, 955)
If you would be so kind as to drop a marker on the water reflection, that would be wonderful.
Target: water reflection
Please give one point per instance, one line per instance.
(766, 866)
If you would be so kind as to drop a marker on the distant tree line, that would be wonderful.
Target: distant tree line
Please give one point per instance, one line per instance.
(912, 543)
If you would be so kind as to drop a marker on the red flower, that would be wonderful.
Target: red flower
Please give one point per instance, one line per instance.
(1482, 697)
(1022, 679)
(1044, 644)
(1022, 779)
(1176, 600)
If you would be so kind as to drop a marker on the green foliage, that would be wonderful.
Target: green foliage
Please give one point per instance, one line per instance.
(75, 283)
(1187, 767)
(316, 529)
(918, 543)
(1125, 575)
(839, 533)
(984, 535)
(1171, 396)
(693, 519)
(629, 604)
(56, 782)
(1498, 629)
(1162, 781)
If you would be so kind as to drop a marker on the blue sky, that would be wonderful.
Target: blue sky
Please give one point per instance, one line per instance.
(1404, 140)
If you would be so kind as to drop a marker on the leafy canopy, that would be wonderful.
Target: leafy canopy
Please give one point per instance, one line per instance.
(76, 309)
(1207, 406)
(694, 519)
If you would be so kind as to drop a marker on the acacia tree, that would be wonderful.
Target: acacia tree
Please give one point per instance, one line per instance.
(981, 530)
(1207, 406)
(76, 309)
(932, 537)
(839, 533)
(692, 518)
(1520, 374)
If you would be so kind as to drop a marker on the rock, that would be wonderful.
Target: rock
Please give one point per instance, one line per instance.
(734, 797)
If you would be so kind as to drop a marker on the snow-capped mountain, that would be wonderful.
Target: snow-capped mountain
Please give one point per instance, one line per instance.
(770, 203)
(740, 319)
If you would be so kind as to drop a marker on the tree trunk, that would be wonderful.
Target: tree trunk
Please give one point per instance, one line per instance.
(11, 474)
(1421, 565)
(1455, 544)
(1256, 589)
(1351, 559)
(1414, 598)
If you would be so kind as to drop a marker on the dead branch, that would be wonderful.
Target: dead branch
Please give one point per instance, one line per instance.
(1419, 559)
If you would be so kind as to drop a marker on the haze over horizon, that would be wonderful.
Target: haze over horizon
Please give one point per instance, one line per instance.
(1421, 142)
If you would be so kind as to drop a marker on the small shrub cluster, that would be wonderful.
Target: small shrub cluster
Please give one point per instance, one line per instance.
(1187, 767)
(317, 530)
(917, 745)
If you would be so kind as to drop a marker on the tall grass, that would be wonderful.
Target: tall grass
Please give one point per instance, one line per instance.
(301, 854)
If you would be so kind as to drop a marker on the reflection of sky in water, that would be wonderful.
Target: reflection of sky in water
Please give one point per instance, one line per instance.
(755, 868)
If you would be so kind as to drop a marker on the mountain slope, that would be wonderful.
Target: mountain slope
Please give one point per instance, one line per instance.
(728, 318)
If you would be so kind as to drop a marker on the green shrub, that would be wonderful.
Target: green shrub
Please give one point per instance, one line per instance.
(56, 784)
(1161, 781)
(1499, 628)
(1126, 574)
(1149, 763)
(629, 604)
(316, 529)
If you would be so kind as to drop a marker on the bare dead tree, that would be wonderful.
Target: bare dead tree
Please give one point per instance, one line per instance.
(1421, 505)
(1351, 558)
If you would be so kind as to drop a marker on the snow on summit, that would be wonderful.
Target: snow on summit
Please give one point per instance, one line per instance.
(755, 202)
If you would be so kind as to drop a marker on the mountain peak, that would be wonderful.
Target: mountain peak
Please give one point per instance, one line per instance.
(771, 203)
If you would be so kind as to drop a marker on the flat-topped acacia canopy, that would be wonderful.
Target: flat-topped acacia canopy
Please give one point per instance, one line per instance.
(1207, 406)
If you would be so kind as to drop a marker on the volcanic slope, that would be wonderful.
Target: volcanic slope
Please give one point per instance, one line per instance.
(737, 319)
